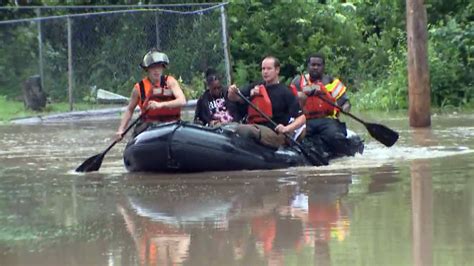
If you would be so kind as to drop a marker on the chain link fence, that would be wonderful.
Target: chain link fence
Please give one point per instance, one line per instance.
(77, 51)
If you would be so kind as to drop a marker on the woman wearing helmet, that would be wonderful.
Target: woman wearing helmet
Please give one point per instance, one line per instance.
(159, 96)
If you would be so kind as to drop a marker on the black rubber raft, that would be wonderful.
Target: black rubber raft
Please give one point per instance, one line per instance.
(186, 147)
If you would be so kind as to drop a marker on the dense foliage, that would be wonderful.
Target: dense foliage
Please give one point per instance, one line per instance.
(364, 42)
(365, 45)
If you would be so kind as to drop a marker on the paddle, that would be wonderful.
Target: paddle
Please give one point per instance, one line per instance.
(383, 134)
(314, 158)
(93, 163)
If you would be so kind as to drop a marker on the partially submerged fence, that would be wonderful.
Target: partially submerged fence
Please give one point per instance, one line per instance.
(78, 50)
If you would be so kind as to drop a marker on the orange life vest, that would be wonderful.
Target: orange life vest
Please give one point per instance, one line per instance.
(162, 93)
(264, 229)
(262, 101)
(315, 107)
(328, 220)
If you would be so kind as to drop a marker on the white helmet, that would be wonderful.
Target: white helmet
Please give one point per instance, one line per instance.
(154, 57)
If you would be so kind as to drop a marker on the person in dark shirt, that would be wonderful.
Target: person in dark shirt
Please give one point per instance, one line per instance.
(273, 99)
(213, 107)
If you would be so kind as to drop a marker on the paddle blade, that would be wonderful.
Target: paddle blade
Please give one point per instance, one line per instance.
(383, 134)
(91, 164)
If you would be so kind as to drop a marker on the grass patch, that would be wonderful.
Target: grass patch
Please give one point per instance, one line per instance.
(14, 109)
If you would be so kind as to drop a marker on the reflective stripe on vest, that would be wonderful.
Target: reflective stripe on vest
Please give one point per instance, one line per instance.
(263, 102)
(336, 88)
(162, 93)
(303, 82)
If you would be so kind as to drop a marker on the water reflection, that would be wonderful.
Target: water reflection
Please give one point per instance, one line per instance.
(381, 178)
(422, 212)
(424, 137)
(327, 217)
(422, 201)
(261, 224)
(354, 212)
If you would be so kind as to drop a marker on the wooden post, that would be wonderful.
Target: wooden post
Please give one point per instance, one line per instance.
(418, 72)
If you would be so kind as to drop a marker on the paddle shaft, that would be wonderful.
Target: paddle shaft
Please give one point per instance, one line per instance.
(126, 130)
(340, 109)
(93, 163)
(271, 121)
(123, 134)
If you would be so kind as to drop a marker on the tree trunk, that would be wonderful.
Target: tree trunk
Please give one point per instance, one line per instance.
(33, 95)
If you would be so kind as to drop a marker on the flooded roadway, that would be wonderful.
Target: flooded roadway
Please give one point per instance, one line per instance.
(412, 204)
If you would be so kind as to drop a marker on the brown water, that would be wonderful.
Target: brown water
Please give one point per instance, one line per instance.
(408, 205)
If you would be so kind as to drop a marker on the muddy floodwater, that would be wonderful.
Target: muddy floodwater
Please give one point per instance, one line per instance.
(412, 204)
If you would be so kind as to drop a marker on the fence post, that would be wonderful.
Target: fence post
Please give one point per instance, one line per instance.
(69, 62)
(226, 45)
(40, 48)
(157, 31)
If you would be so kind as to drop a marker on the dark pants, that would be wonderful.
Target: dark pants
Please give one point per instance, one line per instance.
(329, 132)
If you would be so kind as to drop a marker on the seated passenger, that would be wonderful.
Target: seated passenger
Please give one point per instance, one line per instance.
(276, 101)
(314, 90)
(213, 107)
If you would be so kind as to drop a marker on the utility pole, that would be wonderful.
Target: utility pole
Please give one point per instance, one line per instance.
(419, 95)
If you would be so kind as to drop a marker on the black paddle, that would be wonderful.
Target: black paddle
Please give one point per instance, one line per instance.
(314, 158)
(383, 134)
(93, 163)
